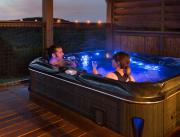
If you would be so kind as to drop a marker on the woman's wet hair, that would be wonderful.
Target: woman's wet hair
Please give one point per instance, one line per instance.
(122, 59)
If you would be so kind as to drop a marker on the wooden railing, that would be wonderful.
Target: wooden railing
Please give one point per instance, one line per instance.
(20, 24)
(40, 24)
(146, 42)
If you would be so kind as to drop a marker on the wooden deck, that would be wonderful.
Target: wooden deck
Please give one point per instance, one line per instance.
(22, 116)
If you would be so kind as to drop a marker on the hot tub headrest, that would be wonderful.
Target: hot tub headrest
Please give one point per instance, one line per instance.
(41, 64)
(132, 89)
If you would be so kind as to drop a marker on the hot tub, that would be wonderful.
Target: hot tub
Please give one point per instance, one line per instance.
(150, 106)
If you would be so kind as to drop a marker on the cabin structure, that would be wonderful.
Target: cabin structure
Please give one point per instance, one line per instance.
(144, 26)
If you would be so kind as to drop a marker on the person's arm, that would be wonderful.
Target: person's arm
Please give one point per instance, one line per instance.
(70, 63)
(131, 78)
(95, 71)
(94, 66)
(128, 73)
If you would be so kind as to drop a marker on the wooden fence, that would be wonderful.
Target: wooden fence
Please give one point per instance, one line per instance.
(21, 42)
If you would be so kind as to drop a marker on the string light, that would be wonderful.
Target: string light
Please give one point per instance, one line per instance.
(88, 21)
(35, 20)
(99, 22)
(21, 19)
(58, 21)
(76, 21)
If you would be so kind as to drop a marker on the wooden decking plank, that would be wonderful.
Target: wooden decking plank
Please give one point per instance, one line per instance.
(4, 107)
(8, 110)
(56, 129)
(75, 133)
(11, 114)
(20, 117)
(48, 131)
(86, 135)
(33, 128)
(61, 132)
(13, 101)
(25, 123)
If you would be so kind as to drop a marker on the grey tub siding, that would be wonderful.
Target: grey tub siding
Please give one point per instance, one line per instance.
(160, 118)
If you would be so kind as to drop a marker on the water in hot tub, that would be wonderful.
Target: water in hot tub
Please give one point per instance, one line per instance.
(144, 68)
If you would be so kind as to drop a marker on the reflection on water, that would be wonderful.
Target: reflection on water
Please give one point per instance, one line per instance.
(144, 68)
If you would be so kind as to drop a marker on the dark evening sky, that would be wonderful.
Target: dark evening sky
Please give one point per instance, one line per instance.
(67, 9)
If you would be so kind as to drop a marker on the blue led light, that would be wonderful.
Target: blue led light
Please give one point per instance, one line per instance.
(108, 55)
(148, 67)
(85, 60)
(138, 125)
(152, 67)
(97, 53)
(85, 63)
(156, 68)
(134, 62)
(140, 64)
(85, 57)
(114, 52)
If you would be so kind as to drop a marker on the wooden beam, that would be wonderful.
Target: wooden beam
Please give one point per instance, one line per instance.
(162, 15)
(109, 21)
(47, 10)
(109, 12)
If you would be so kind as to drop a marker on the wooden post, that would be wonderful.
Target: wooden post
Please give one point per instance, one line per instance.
(47, 10)
(162, 15)
(109, 13)
(162, 28)
(109, 27)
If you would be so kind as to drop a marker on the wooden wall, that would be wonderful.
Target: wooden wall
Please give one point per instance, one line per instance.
(146, 26)
(154, 43)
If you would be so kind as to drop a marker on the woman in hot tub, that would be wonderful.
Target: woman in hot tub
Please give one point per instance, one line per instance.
(120, 62)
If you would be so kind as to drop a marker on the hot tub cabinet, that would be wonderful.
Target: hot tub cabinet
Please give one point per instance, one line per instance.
(131, 109)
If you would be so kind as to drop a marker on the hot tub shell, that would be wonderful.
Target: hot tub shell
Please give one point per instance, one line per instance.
(158, 104)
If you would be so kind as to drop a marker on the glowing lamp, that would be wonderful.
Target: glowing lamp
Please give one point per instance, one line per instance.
(88, 21)
(35, 20)
(85, 60)
(99, 22)
(76, 21)
(108, 55)
(58, 21)
(97, 53)
(137, 125)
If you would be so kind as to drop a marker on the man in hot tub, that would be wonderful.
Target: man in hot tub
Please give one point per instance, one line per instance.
(120, 62)
(55, 57)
